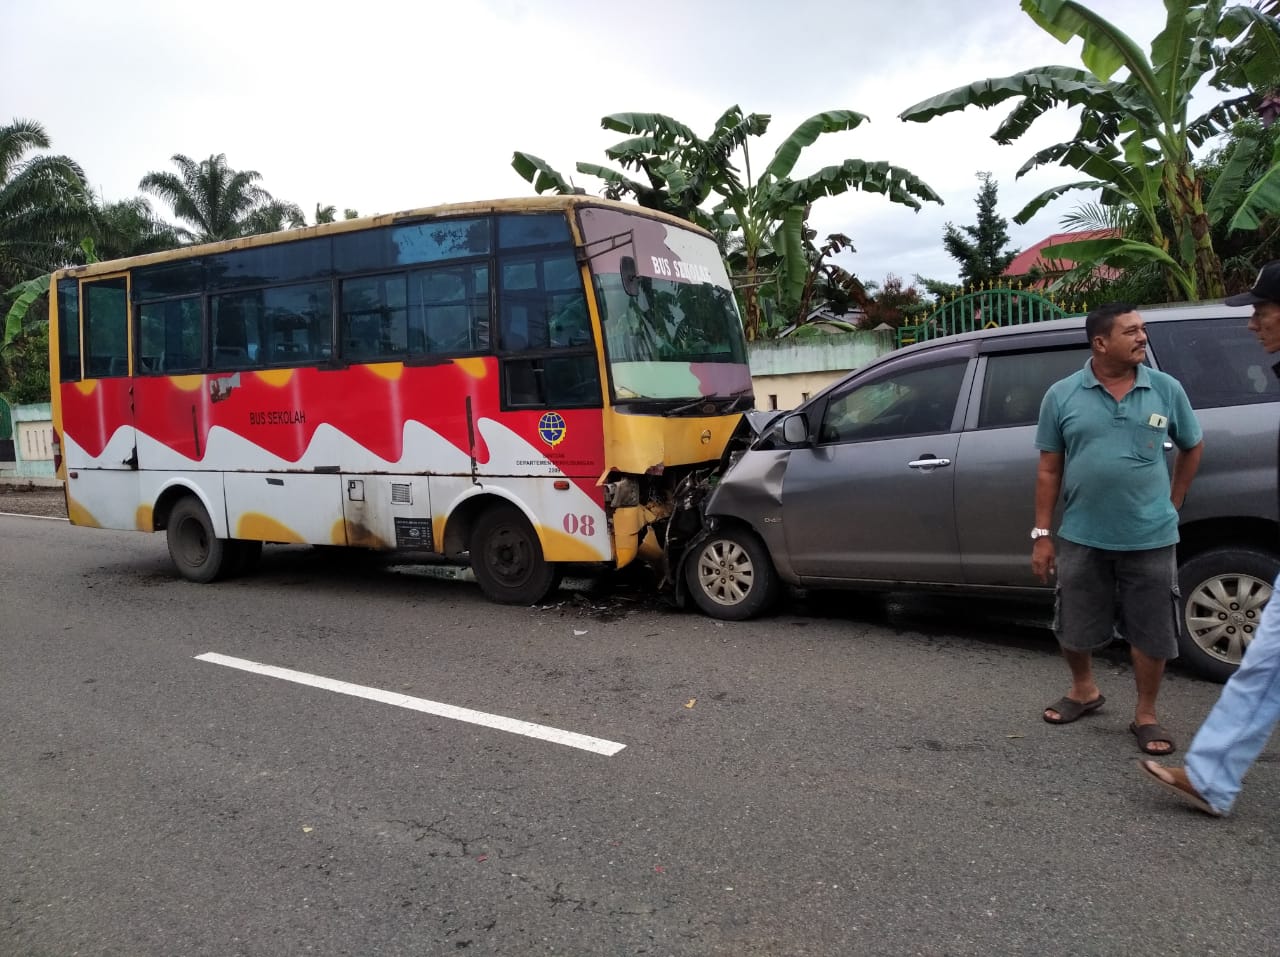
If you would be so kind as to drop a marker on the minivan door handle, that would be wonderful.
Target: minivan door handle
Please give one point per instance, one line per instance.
(929, 464)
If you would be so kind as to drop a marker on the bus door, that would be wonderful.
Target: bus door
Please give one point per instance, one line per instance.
(100, 445)
(551, 396)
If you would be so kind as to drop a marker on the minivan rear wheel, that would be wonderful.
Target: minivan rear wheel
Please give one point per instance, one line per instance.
(1223, 592)
(730, 576)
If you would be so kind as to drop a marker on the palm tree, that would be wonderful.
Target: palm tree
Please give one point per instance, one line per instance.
(329, 214)
(216, 201)
(769, 213)
(273, 217)
(1134, 140)
(45, 207)
(45, 211)
(129, 227)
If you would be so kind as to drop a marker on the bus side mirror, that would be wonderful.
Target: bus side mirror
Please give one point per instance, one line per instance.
(795, 429)
(630, 278)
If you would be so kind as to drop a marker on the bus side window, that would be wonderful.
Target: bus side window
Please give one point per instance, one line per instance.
(68, 330)
(373, 318)
(542, 302)
(169, 335)
(235, 344)
(106, 325)
(449, 309)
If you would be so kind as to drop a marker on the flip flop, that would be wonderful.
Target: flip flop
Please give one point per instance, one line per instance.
(1188, 795)
(1149, 734)
(1069, 709)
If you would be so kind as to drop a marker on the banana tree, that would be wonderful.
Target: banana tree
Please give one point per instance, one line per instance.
(1134, 139)
(772, 211)
(765, 217)
(681, 170)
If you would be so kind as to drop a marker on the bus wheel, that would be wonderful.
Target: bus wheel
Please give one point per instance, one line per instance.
(507, 559)
(197, 553)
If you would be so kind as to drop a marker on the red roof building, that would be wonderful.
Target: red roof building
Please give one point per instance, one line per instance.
(1047, 270)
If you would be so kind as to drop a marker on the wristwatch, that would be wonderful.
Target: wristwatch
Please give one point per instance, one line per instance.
(1039, 533)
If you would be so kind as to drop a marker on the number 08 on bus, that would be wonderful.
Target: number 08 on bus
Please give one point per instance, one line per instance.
(521, 385)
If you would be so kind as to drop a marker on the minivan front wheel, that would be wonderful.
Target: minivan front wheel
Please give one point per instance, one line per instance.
(1223, 593)
(730, 576)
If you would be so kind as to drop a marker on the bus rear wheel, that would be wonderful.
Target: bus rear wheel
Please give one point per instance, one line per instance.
(507, 559)
(198, 554)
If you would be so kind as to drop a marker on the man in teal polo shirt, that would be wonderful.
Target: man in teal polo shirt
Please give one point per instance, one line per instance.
(1101, 437)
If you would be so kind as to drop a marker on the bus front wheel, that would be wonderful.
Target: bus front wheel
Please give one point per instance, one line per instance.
(507, 559)
(198, 554)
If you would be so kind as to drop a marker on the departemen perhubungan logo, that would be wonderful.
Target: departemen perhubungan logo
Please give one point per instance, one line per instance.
(552, 428)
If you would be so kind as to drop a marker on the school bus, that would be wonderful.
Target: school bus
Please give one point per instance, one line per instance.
(517, 384)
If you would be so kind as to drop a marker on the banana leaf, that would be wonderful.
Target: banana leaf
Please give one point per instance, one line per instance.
(1106, 47)
(536, 171)
(664, 129)
(1181, 54)
(1062, 84)
(1227, 195)
(1037, 203)
(898, 184)
(621, 183)
(830, 121)
(1220, 118)
(628, 150)
(1262, 199)
(1120, 252)
(1255, 61)
(789, 241)
(25, 294)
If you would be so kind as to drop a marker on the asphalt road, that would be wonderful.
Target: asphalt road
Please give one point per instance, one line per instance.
(817, 783)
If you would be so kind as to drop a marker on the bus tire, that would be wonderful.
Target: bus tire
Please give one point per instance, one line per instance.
(198, 554)
(507, 558)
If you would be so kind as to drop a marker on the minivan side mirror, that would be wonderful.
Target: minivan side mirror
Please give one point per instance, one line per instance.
(795, 429)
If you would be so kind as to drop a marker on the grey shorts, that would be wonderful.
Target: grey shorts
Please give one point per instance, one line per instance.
(1103, 593)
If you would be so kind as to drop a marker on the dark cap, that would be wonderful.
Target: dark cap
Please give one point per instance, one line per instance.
(1266, 288)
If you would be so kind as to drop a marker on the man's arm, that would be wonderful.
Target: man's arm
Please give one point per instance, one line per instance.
(1048, 488)
(1185, 464)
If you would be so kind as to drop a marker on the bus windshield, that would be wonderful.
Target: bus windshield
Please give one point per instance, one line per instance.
(679, 337)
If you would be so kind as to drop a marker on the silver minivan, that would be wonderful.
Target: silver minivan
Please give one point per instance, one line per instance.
(917, 472)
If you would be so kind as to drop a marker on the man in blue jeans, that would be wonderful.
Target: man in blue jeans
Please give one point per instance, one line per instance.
(1240, 723)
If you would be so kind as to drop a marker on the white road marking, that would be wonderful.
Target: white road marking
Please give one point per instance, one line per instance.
(45, 518)
(570, 739)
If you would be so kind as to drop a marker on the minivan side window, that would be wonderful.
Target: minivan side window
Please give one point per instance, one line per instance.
(1218, 361)
(1015, 384)
(916, 401)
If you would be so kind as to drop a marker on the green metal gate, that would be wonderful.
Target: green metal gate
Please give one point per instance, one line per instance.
(985, 308)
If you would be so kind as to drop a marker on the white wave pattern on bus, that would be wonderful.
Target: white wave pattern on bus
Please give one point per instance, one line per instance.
(523, 468)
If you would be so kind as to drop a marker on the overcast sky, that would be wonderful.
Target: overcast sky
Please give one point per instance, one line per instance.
(382, 106)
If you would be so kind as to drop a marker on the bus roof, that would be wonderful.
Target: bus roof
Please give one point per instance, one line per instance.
(524, 204)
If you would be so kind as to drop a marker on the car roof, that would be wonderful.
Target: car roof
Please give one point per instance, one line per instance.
(1163, 313)
(978, 338)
